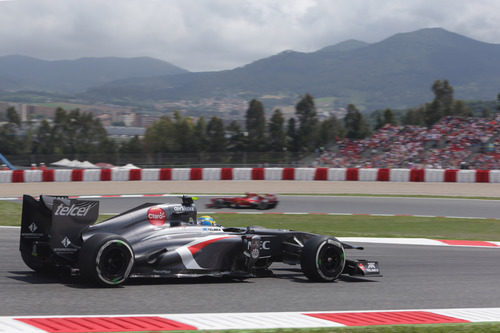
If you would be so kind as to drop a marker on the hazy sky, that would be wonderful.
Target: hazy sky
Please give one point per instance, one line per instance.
(201, 35)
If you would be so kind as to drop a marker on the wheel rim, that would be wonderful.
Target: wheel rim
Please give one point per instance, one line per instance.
(329, 261)
(114, 262)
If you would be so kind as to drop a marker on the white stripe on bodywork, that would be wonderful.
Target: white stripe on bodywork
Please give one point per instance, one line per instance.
(187, 257)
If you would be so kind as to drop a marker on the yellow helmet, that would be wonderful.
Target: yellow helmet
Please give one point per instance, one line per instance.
(206, 220)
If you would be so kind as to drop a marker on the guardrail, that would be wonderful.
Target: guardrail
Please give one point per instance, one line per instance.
(298, 174)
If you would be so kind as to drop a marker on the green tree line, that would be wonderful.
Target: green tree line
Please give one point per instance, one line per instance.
(76, 132)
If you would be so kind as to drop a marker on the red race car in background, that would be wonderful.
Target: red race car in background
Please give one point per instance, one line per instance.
(250, 200)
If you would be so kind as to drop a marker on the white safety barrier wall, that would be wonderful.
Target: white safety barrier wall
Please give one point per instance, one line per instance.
(270, 174)
(337, 174)
(273, 173)
(63, 175)
(242, 173)
(399, 175)
(91, 175)
(120, 174)
(5, 176)
(434, 175)
(150, 174)
(181, 174)
(305, 173)
(466, 176)
(368, 175)
(495, 176)
(32, 176)
(211, 174)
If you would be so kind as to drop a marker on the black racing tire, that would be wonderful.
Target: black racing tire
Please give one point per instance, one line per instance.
(219, 203)
(322, 259)
(263, 205)
(106, 259)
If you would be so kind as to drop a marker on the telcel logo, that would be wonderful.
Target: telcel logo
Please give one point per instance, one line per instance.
(73, 210)
(156, 216)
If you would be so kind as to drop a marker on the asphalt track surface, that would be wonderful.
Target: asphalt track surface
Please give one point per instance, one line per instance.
(337, 204)
(332, 204)
(414, 277)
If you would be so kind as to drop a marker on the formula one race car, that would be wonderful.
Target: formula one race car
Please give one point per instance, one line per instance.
(165, 240)
(249, 200)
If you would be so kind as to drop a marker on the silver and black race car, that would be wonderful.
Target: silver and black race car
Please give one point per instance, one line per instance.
(165, 240)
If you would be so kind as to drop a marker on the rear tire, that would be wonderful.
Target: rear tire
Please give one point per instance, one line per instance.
(263, 205)
(106, 259)
(219, 203)
(323, 259)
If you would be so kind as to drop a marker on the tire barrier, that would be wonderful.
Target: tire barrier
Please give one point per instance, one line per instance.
(269, 174)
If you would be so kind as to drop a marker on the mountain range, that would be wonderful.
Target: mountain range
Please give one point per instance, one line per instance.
(396, 72)
(74, 76)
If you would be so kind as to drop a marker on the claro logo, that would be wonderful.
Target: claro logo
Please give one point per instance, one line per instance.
(73, 210)
(156, 216)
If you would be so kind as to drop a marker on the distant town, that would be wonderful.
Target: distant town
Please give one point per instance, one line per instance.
(127, 121)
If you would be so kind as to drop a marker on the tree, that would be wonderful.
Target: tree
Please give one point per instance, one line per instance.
(355, 125)
(107, 146)
(216, 139)
(9, 140)
(277, 136)
(59, 129)
(486, 113)
(443, 93)
(160, 136)
(433, 113)
(132, 146)
(183, 132)
(330, 130)
(414, 117)
(441, 105)
(255, 126)
(306, 114)
(389, 117)
(236, 138)
(459, 108)
(76, 132)
(292, 141)
(379, 122)
(498, 101)
(385, 117)
(199, 142)
(12, 117)
(43, 140)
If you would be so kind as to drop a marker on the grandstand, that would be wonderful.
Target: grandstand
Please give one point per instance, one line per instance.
(451, 143)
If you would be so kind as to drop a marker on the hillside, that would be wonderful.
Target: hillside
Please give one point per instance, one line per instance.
(396, 72)
(71, 76)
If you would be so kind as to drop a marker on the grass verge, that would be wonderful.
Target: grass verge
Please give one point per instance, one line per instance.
(342, 225)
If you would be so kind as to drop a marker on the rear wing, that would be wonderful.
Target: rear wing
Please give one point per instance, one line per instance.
(55, 222)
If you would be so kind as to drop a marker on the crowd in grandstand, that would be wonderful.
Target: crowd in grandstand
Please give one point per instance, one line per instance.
(451, 143)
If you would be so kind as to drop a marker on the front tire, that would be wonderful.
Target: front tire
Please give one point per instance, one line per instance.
(323, 259)
(106, 259)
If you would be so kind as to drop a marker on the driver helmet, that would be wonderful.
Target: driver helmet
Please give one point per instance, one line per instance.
(206, 220)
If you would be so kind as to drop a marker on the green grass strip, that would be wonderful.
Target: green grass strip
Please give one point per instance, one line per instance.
(372, 226)
(339, 225)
